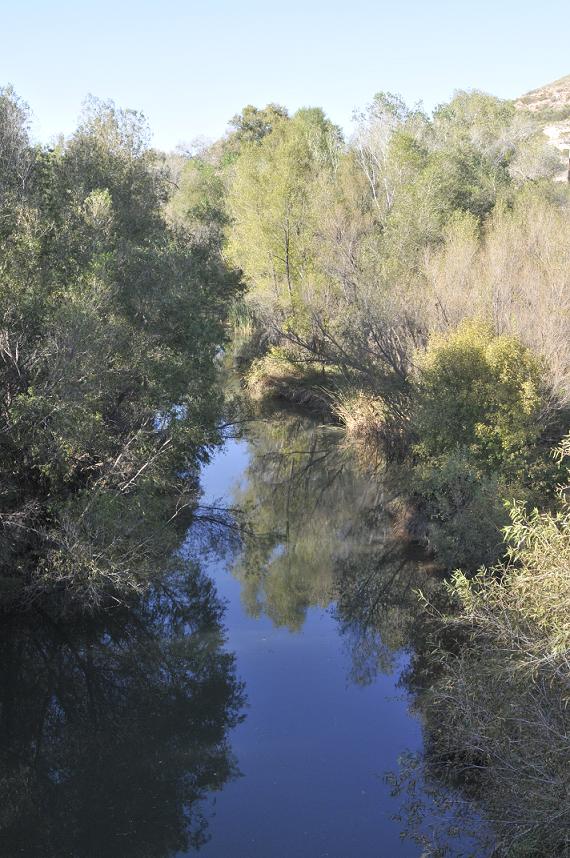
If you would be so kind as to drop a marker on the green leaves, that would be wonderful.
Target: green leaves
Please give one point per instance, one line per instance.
(269, 202)
(109, 317)
(482, 392)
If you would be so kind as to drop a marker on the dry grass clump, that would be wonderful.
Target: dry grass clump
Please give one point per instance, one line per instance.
(371, 427)
(362, 415)
(268, 373)
(277, 375)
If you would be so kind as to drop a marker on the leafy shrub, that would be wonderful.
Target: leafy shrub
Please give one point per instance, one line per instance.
(482, 393)
(464, 509)
(499, 714)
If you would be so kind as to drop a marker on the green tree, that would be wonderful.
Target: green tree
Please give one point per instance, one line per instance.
(111, 320)
(269, 202)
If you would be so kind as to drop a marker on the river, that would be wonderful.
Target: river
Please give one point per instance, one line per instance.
(250, 705)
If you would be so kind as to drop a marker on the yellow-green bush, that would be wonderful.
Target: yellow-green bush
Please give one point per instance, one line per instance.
(479, 440)
(482, 393)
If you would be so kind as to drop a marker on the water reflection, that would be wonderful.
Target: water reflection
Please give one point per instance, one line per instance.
(322, 531)
(378, 604)
(116, 729)
(113, 729)
(300, 499)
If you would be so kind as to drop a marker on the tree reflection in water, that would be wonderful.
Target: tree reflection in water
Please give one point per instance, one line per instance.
(114, 728)
(300, 499)
(320, 531)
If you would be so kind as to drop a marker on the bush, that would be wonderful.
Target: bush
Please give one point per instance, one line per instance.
(499, 714)
(482, 393)
(464, 508)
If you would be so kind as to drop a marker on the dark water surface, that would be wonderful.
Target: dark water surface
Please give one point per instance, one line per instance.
(248, 706)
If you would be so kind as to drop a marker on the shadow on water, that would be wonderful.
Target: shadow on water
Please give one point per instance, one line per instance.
(113, 729)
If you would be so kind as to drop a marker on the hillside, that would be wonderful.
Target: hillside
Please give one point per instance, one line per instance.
(550, 106)
(551, 101)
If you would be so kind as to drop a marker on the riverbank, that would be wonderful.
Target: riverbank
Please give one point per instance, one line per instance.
(448, 480)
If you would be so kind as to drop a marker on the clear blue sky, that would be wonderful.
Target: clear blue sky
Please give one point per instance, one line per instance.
(189, 66)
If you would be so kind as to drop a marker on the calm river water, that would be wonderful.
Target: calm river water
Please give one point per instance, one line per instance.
(316, 615)
(249, 705)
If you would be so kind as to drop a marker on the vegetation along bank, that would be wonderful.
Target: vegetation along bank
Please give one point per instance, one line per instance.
(413, 281)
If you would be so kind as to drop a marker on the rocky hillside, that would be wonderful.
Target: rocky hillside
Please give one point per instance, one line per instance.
(551, 101)
(550, 106)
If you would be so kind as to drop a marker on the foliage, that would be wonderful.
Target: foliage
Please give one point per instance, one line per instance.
(478, 417)
(481, 392)
(501, 703)
(199, 199)
(269, 203)
(463, 508)
(252, 124)
(109, 323)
